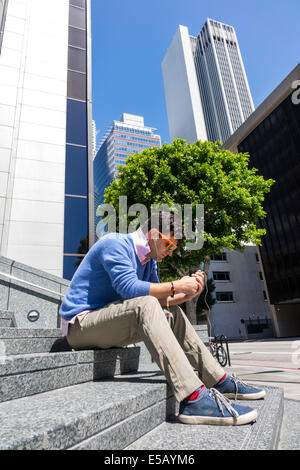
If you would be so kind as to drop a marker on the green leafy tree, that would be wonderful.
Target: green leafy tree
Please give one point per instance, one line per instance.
(199, 173)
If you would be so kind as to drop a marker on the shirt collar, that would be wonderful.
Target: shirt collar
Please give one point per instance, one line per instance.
(141, 246)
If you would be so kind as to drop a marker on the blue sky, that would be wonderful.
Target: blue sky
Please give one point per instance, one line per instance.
(130, 39)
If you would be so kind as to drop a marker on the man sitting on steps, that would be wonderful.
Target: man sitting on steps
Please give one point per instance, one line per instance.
(115, 299)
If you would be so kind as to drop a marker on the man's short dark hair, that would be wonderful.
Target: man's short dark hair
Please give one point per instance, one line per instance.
(167, 223)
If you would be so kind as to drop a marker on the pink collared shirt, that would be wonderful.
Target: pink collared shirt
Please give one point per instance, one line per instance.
(142, 249)
(141, 246)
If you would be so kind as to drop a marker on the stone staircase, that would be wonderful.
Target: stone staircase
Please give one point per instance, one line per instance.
(52, 397)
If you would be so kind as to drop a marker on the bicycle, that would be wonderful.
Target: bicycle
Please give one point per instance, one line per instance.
(218, 350)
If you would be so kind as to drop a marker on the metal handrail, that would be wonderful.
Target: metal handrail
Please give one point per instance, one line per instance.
(31, 284)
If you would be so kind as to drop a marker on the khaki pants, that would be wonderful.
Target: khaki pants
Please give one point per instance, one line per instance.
(168, 335)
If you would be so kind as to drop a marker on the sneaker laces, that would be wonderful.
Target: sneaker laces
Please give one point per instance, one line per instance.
(236, 381)
(221, 400)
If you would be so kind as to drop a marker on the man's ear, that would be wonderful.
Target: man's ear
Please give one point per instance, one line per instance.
(153, 234)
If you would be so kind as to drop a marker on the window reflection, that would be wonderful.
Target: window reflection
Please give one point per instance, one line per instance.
(77, 17)
(76, 224)
(77, 59)
(77, 37)
(76, 171)
(76, 122)
(274, 151)
(77, 85)
(71, 264)
(78, 3)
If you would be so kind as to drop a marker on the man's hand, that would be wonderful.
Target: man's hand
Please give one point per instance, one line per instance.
(187, 285)
(200, 276)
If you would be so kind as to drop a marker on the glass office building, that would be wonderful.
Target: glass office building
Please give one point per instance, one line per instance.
(207, 91)
(272, 138)
(122, 138)
(79, 141)
(46, 202)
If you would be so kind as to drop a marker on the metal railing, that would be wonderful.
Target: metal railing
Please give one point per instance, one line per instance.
(9, 276)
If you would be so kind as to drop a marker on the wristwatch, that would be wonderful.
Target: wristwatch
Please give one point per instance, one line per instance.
(173, 290)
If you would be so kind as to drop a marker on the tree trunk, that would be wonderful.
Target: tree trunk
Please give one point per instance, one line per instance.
(191, 310)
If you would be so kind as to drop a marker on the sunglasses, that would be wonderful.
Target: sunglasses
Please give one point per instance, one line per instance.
(171, 245)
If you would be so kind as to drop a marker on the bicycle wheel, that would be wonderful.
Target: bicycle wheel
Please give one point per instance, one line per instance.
(213, 350)
(221, 356)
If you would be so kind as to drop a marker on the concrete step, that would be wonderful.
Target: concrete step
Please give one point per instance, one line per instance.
(109, 414)
(28, 341)
(7, 319)
(262, 435)
(29, 374)
(290, 431)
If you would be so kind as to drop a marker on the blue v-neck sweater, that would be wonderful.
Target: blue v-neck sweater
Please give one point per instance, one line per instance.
(110, 271)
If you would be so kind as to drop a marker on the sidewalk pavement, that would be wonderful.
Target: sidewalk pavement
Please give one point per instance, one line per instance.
(274, 362)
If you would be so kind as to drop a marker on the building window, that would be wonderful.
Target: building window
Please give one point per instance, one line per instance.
(77, 37)
(220, 257)
(221, 276)
(77, 59)
(224, 296)
(76, 85)
(78, 3)
(77, 17)
(76, 225)
(76, 171)
(76, 123)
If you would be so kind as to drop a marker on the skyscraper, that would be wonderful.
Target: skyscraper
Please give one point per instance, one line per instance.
(45, 133)
(206, 87)
(272, 138)
(122, 138)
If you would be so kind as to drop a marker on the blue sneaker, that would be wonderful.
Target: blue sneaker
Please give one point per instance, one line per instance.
(232, 387)
(211, 407)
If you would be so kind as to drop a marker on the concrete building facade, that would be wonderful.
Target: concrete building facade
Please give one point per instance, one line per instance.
(241, 310)
(122, 139)
(206, 87)
(45, 92)
(271, 135)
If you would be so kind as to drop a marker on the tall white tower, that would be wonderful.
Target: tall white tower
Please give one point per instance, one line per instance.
(222, 85)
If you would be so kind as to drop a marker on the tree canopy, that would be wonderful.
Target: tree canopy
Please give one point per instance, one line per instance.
(201, 173)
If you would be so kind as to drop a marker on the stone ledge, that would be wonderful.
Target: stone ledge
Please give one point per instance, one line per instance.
(64, 418)
(31, 374)
(21, 298)
(7, 319)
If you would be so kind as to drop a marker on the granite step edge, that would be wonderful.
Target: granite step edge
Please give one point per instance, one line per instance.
(62, 418)
(9, 333)
(32, 374)
(23, 363)
(123, 433)
(7, 319)
(263, 434)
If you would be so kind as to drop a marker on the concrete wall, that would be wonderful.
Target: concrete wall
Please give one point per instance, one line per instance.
(247, 288)
(286, 319)
(20, 298)
(33, 89)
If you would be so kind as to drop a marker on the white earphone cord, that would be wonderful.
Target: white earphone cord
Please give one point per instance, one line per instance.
(206, 287)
